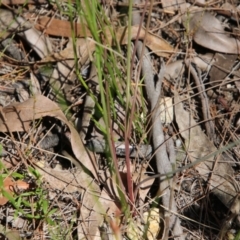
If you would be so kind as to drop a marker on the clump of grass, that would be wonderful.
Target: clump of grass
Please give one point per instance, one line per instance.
(114, 75)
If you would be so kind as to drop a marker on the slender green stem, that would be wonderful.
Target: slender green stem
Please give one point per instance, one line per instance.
(128, 106)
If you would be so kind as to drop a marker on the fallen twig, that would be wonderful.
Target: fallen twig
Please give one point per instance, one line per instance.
(163, 163)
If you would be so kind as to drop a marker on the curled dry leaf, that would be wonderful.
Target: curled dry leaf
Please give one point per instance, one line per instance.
(38, 42)
(209, 32)
(64, 180)
(85, 48)
(176, 69)
(19, 116)
(11, 186)
(158, 45)
(229, 10)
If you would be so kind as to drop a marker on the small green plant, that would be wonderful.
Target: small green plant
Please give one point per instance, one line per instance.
(237, 237)
(34, 201)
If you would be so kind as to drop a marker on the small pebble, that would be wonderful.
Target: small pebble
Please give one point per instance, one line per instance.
(178, 143)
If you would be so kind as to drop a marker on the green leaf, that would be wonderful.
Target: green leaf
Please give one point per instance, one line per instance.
(45, 206)
(31, 216)
(50, 221)
(52, 212)
(10, 198)
(17, 175)
(1, 181)
(237, 236)
(1, 149)
(34, 172)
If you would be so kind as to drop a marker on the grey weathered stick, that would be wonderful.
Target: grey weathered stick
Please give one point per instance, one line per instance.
(163, 163)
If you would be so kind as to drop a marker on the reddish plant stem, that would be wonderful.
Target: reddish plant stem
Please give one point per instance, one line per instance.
(128, 121)
(112, 146)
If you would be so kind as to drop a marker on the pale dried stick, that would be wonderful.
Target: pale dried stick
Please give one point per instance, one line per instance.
(163, 163)
(204, 101)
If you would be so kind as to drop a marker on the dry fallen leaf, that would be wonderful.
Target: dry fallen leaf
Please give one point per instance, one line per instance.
(209, 32)
(10, 233)
(229, 10)
(11, 186)
(85, 48)
(10, 23)
(199, 146)
(64, 180)
(176, 69)
(94, 204)
(222, 67)
(38, 42)
(158, 45)
(19, 116)
(59, 27)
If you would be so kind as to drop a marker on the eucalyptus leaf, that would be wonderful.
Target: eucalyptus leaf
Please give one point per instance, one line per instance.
(209, 32)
